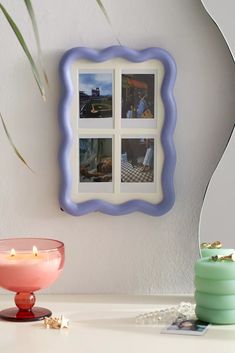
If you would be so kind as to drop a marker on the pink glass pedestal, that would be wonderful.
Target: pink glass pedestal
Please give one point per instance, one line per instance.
(25, 310)
(14, 314)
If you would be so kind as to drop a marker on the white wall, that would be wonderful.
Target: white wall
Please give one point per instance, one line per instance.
(134, 253)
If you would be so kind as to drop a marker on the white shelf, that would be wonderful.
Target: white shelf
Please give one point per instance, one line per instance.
(106, 324)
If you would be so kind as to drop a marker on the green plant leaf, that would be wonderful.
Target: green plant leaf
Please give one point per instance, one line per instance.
(32, 16)
(25, 49)
(19, 155)
(105, 13)
(100, 4)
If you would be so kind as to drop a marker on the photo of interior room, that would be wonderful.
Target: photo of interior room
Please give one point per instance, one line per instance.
(95, 160)
(137, 160)
(138, 96)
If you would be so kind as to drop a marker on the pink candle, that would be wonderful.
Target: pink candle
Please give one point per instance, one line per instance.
(27, 265)
(27, 272)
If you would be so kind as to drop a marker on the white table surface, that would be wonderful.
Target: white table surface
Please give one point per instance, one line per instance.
(106, 324)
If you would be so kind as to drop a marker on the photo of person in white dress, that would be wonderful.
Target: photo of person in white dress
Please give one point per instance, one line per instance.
(148, 158)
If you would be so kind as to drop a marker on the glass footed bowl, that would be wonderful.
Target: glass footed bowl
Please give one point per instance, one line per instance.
(28, 265)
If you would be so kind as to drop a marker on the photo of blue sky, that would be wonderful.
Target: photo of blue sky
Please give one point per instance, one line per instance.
(101, 80)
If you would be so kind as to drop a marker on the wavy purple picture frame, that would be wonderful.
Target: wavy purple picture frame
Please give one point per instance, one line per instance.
(78, 209)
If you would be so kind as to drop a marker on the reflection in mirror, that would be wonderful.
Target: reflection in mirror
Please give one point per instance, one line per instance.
(217, 220)
(222, 13)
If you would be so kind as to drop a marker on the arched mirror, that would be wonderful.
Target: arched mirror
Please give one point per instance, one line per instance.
(217, 220)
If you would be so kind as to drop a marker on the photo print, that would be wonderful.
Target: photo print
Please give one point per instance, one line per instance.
(193, 327)
(138, 96)
(137, 160)
(95, 157)
(95, 95)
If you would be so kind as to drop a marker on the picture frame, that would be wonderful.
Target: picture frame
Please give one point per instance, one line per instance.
(117, 116)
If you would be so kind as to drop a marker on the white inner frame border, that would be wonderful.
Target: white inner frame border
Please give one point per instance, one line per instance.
(118, 66)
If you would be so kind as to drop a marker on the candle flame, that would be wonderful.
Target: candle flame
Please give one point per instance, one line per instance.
(13, 252)
(35, 251)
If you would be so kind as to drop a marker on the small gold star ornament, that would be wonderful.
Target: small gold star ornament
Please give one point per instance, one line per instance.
(56, 322)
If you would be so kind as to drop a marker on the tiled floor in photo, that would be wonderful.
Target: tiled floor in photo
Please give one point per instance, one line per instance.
(135, 174)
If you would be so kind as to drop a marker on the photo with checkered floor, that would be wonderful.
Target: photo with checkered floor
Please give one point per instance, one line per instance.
(137, 160)
(135, 174)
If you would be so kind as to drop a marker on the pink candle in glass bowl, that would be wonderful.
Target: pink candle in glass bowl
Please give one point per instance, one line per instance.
(27, 265)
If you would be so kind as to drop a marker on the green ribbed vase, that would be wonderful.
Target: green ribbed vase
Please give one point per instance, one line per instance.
(215, 291)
